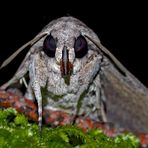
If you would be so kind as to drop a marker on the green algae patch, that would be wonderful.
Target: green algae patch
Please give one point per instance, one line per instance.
(17, 132)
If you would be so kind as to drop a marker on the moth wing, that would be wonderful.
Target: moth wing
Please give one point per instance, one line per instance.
(126, 98)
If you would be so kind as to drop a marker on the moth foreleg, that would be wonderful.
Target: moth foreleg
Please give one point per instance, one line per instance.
(99, 100)
(37, 74)
(37, 92)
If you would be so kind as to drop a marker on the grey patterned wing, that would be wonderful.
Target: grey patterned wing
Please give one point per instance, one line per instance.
(126, 98)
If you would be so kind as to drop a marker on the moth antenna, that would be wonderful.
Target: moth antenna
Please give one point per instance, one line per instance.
(31, 42)
(110, 55)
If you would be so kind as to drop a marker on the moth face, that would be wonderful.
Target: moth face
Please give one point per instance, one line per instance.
(66, 51)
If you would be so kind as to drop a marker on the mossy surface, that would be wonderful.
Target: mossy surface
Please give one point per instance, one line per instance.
(17, 132)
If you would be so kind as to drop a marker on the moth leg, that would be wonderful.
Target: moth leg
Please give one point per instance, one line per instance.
(98, 99)
(99, 104)
(38, 79)
(103, 113)
(102, 107)
(18, 75)
(37, 92)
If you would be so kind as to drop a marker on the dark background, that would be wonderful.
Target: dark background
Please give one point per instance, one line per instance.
(120, 26)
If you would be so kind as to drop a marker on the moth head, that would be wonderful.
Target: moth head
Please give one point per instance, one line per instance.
(66, 50)
(66, 47)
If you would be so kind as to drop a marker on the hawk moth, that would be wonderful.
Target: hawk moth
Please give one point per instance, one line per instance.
(80, 76)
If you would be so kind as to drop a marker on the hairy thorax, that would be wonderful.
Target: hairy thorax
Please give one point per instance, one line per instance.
(70, 97)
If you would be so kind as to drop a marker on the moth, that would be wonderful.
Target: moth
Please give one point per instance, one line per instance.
(81, 76)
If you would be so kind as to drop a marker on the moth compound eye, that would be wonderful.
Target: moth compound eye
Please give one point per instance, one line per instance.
(80, 47)
(49, 46)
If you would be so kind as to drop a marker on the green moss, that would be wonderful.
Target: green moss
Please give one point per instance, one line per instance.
(16, 132)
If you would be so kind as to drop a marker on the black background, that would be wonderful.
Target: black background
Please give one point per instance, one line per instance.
(120, 26)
